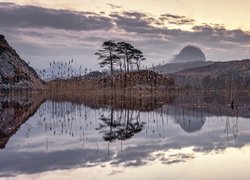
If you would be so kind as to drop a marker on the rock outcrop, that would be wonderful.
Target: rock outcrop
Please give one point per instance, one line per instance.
(15, 73)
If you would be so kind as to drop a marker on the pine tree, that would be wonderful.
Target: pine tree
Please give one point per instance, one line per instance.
(108, 55)
(138, 57)
(125, 51)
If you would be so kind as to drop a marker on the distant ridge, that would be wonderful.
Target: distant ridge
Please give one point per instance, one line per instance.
(189, 57)
(175, 67)
(220, 75)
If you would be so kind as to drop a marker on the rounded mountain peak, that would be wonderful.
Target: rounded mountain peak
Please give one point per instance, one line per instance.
(189, 54)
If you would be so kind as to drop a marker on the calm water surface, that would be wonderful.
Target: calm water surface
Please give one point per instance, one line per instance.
(69, 140)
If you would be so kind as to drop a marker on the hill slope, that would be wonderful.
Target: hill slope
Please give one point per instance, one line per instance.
(220, 75)
(175, 67)
(15, 73)
(140, 82)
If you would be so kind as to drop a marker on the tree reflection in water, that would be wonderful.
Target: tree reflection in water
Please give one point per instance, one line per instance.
(122, 124)
(117, 117)
(73, 131)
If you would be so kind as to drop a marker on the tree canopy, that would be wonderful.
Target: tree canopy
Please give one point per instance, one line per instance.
(122, 55)
(107, 54)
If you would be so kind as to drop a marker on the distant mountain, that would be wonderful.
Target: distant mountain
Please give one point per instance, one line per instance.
(189, 57)
(189, 54)
(220, 75)
(175, 67)
(15, 73)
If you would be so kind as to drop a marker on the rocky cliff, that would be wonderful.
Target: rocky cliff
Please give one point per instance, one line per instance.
(15, 73)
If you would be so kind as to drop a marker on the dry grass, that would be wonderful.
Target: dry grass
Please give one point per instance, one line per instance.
(142, 83)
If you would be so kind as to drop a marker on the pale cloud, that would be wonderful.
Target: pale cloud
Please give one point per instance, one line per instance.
(43, 34)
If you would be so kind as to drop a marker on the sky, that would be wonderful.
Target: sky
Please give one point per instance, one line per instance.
(42, 31)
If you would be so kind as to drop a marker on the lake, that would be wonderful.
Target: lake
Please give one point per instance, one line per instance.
(179, 137)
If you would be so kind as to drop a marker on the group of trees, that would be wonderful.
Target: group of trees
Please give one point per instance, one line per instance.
(122, 55)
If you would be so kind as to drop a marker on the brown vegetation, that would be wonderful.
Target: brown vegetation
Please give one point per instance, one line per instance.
(141, 83)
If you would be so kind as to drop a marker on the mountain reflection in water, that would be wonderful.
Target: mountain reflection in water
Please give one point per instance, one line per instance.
(45, 133)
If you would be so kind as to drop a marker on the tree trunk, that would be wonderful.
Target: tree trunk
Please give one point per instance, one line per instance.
(111, 60)
(127, 60)
(127, 65)
(124, 61)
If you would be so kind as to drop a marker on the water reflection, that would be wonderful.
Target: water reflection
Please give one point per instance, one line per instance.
(40, 134)
(15, 111)
(189, 120)
(121, 124)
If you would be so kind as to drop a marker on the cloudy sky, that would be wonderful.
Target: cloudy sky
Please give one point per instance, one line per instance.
(43, 30)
